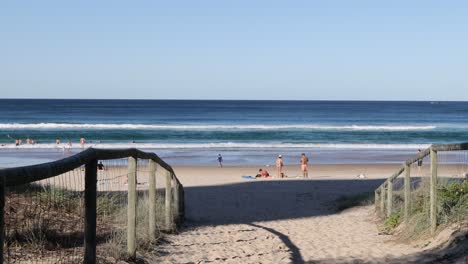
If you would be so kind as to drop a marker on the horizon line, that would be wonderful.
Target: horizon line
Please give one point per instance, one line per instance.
(266, 100)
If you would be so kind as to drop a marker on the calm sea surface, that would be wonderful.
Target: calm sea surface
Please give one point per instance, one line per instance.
(245, 132)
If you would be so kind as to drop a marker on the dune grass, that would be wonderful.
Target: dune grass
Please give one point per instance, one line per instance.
(46, 221)
(452, 207)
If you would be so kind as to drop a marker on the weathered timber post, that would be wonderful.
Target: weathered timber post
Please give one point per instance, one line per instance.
(2, 216)
(382, 200)
(182, 203)
(131, 207)
(168, 203)
(376, 199)
(389, 197)
(175, 195)
(90, 211)
(433, 191)
(407, 190)
(152, 200)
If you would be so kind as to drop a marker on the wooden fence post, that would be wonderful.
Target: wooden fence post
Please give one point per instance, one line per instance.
(90, 196)
(389, 197)
(182, 203)
(131, 207)
(168, 203)
(376, 199)
(433, 191)
(407, 190)
(2, 216)
(175, 195)
(152, 200)
(382, 200)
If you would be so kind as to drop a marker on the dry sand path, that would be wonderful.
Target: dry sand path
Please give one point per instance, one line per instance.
(278, 221)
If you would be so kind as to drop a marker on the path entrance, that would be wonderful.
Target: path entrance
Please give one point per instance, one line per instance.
(287, 221)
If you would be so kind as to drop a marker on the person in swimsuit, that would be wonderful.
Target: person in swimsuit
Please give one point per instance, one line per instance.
(304, 161)
(279, 166)
(262, 174)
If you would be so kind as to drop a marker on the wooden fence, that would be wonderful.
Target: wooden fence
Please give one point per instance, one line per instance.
(174, 193)
(384, 193)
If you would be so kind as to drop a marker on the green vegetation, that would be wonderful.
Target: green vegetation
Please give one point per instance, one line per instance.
(452, 206)
(453, 202)
(393, 221)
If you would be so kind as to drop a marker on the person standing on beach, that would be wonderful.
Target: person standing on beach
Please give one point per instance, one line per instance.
(82, 142)
(279, 166)
(304, 161)
(220, 160)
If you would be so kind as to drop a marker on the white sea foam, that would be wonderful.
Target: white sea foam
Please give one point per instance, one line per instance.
(224, 145)
(64, 126)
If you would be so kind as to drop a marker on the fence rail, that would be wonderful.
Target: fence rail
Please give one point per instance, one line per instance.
(384, 194)
(174, 209)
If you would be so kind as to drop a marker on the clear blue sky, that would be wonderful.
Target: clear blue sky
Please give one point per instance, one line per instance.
(384, 50)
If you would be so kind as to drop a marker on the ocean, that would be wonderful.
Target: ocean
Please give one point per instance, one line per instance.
(245, 132)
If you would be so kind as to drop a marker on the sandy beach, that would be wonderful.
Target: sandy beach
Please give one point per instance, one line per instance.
(235, 220)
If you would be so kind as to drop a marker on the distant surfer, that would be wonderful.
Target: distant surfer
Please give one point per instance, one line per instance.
(304, 161)
(82, 142)
(57, 141)
(220, 160)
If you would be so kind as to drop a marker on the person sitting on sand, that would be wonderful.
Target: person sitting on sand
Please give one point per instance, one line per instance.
(262, 174)
(279, 166)
(304, 161)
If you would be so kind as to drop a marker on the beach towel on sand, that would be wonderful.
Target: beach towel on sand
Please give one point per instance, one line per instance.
(249, 177)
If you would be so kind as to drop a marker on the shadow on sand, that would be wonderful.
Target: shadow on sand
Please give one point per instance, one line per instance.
(268, 200)
(260, 200)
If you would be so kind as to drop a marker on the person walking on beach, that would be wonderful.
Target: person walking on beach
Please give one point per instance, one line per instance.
(279, 166)
(304, 161)
(220, 160)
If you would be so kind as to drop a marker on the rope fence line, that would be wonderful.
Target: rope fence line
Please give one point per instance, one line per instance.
(419, 180)
(98, 205)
